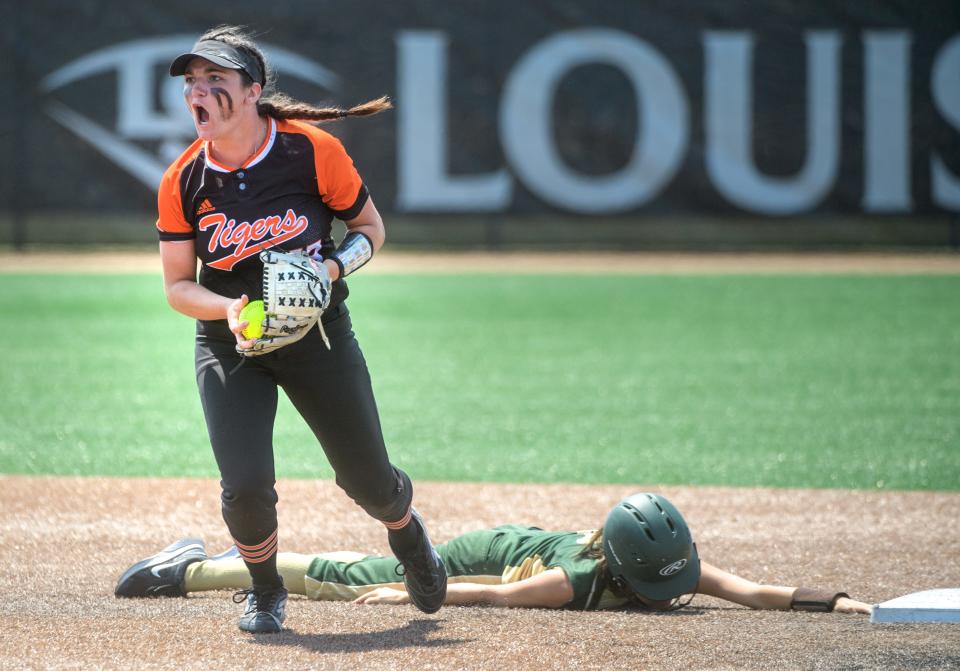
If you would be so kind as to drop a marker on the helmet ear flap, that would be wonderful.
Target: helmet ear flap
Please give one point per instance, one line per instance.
(620, 584)
(623, 589)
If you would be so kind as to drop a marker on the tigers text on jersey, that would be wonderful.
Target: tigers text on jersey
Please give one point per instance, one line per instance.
(285, 196)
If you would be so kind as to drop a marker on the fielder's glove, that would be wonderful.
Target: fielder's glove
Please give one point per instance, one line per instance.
(296, 291)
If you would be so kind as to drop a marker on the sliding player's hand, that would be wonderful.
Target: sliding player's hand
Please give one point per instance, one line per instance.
(845, 605)
(384, 595)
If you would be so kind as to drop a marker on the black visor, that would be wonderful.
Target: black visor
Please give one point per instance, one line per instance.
(223, 55)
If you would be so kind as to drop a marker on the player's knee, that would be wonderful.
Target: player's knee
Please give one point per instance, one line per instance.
(387, 501)
(246, 497)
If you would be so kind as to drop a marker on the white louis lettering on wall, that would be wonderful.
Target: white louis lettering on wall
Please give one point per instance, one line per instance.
(886, 98)
(526, 127)
(729, 102)
(423, 183)
(152, 125)
(945, 83)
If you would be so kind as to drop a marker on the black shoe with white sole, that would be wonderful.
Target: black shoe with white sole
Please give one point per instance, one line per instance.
(161, 574)
(266, 609)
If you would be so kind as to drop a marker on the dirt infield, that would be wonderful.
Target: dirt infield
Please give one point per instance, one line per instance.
(125, 261)
(65, 541)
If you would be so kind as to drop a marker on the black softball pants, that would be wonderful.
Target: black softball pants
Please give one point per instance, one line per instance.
(330, 388)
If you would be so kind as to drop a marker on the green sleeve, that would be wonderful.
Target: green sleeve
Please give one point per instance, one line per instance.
(584, 577)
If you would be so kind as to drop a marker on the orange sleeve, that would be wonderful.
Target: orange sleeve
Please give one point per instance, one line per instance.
(171, 223)
(338, 181)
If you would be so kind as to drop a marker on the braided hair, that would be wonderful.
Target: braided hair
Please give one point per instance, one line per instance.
(279, 105)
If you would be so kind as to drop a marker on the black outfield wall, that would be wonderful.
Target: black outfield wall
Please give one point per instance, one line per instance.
(615, 124)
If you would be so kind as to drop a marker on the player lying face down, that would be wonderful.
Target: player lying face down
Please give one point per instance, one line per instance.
(643, 557)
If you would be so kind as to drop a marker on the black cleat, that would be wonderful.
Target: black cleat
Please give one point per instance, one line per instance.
(423, 572)
(265, 611)
(162, 574)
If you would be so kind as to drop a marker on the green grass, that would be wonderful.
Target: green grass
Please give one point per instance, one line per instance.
(821, 381)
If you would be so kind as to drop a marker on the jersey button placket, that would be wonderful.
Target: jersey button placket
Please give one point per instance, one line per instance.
(241, 185)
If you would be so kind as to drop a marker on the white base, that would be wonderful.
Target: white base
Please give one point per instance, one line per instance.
(935, 605)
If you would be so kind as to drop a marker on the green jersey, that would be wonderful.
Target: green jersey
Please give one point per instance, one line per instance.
(505, 554)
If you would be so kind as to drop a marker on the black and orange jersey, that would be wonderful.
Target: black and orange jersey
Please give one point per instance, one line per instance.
(285, 196)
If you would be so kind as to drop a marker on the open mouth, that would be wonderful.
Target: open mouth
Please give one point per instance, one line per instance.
(203, 116)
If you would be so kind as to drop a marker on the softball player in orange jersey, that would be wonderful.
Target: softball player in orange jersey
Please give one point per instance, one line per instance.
(261, 175)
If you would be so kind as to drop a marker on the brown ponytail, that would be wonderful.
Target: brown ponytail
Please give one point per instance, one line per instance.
(279, 105)
(282, 106)
(593, 548)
